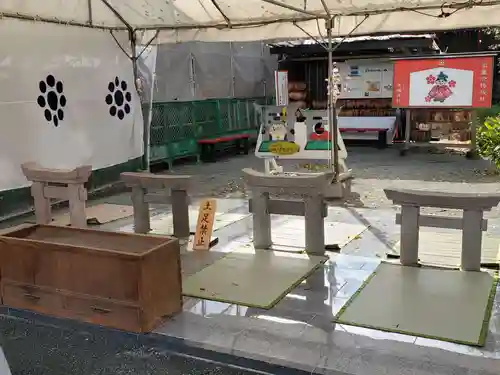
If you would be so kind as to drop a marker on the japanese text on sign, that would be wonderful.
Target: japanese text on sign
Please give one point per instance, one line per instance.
(284, 148)
(204, 225)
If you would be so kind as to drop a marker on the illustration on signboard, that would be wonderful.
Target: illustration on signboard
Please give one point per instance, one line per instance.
(278, 132)
(441, 87)
(318, 135)
(303, 134)
(444, 81)
(277, 135)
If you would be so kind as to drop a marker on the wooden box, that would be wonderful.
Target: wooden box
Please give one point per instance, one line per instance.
(120, 280)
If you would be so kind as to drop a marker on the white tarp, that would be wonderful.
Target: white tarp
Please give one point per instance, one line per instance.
(68, 98)
(238, 20)
(37, 55)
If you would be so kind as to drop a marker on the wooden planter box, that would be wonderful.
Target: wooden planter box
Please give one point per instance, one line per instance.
(119, 280)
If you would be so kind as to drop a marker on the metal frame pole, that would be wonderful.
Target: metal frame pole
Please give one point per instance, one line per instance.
(406, 145)
(145, 125)
(150, 113)
(134, 56)
(473, 153)
(332, 116)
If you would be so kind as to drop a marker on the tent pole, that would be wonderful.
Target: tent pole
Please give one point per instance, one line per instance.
(145, 125)
(332, 116)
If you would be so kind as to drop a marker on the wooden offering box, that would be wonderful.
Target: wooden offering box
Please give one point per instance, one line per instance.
(120, 280)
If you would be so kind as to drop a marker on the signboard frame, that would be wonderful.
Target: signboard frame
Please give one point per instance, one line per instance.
(302, 132)
(471, 66)
(355, 77)
(281, 86)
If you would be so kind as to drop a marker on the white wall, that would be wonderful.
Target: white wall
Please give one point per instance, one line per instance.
(85, 61)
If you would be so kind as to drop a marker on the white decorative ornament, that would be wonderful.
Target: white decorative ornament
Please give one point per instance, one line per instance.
(138, 84)
(278, 132)
(335, 86)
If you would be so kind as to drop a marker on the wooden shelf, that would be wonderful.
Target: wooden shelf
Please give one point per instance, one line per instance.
(370, 107)
(447, 122)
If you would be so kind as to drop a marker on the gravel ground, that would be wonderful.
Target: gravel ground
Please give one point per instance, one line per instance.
(373, 170)
(43, 349)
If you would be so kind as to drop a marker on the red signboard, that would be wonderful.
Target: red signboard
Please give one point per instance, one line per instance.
(445, 82)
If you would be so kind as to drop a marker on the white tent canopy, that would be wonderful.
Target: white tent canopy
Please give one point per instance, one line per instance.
(246, 20)
(250, 20)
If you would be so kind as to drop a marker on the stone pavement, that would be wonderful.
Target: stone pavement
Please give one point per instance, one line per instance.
(298, 332)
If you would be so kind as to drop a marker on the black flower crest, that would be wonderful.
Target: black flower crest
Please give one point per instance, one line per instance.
(52, 99)
(119, 98)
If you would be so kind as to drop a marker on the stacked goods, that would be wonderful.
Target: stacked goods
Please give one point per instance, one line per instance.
(366, 107)
(319, 104)
(297, 94)
(417, 135)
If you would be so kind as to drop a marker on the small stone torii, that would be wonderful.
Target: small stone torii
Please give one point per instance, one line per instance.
(162, 189)
(66, 184)
(471, 223)
(312, 205)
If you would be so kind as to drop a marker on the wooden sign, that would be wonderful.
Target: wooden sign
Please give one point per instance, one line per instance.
(205, 224)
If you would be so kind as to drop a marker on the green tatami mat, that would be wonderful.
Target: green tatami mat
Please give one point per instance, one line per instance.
(447, 305)
(258, 280)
